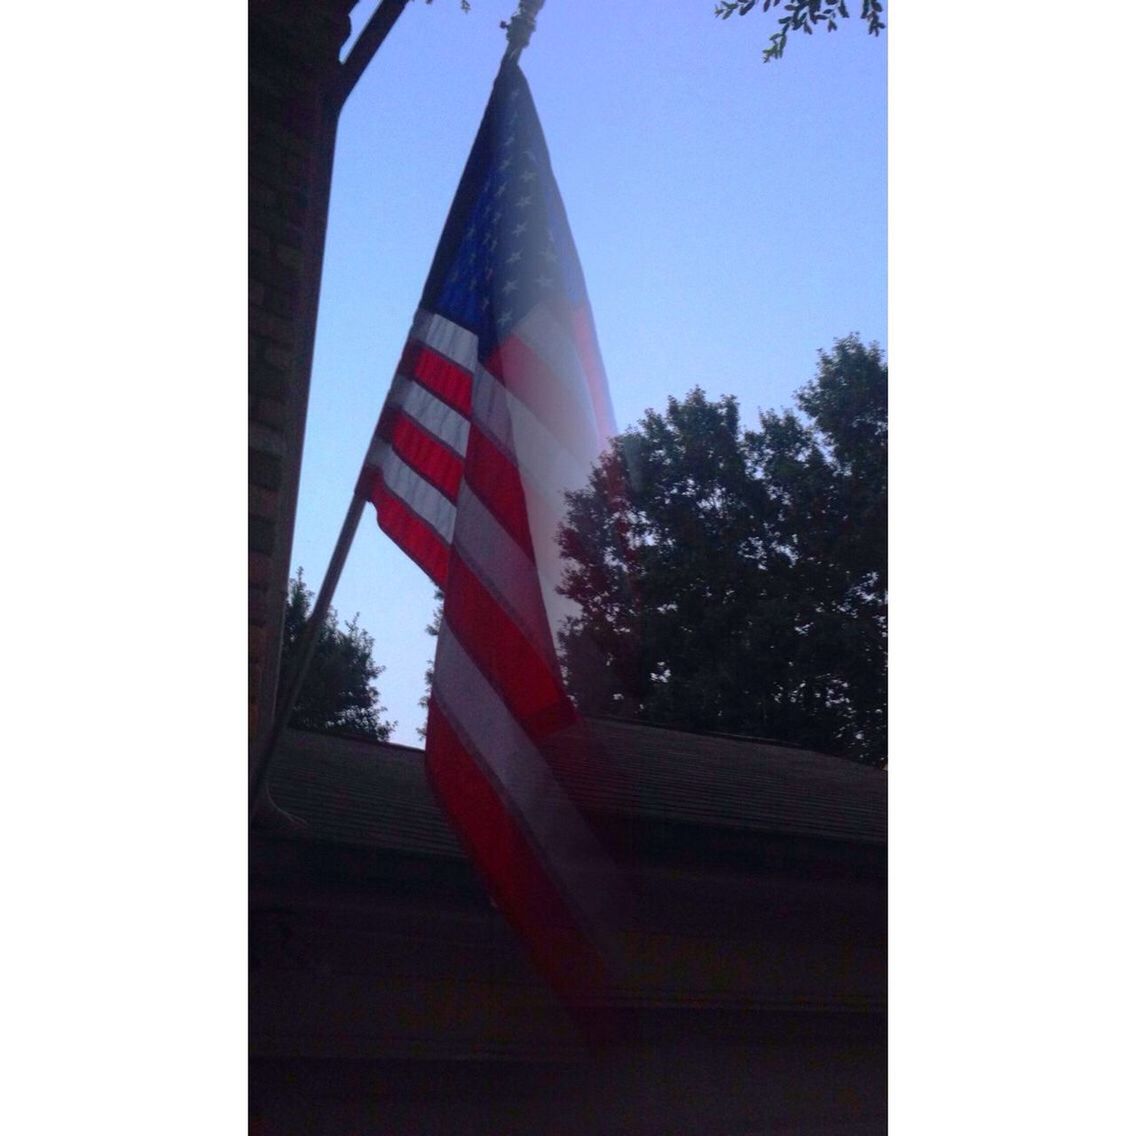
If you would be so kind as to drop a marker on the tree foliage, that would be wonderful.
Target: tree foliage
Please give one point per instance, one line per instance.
(800, 16)
(803, 16)
(735, 580)
(339, 692)
(433, 629)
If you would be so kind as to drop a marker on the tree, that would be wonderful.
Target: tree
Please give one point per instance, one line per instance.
(339, 692)
(433, 629)
(735, 580)
(803, 15)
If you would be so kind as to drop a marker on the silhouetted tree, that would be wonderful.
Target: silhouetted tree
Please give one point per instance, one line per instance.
(735, 580)
(339, 692)
(432, 629)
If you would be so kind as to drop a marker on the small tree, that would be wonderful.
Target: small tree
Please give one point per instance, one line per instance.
(339, 692)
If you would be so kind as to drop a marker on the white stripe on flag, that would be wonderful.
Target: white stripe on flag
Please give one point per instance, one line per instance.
(413, 490)
(455, 342)
(475, 710)
(446, 424)
(493, 556)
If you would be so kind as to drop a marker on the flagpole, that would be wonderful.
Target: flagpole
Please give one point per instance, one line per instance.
(305, 650)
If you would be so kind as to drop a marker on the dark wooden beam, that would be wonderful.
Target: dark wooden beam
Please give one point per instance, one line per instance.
(369, 41)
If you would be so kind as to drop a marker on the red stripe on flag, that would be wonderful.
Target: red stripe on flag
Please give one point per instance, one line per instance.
(427, 456)
(519, 669)
(517, 878)
(412, 534)
(442, 378)
(497, 482)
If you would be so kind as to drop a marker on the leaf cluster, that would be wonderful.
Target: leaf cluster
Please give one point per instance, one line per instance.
(803, 15)
(338, 694)
(735, 580)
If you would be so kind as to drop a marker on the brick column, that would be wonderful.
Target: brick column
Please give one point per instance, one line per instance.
(294, 50)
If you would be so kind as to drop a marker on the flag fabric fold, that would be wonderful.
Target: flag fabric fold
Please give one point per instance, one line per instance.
(499, 407)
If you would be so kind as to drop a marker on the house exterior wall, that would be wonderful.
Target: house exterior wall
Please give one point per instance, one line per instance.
(390, 997)
(800, 1089)
(293, 58)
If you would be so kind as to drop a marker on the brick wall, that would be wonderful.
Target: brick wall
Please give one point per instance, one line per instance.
(293, 59)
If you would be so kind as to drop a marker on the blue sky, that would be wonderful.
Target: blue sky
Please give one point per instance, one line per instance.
(730, 217)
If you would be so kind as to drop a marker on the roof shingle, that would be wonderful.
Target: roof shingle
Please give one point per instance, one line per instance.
(376, 794)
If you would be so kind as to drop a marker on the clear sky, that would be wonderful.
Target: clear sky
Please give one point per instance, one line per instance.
(730, 217)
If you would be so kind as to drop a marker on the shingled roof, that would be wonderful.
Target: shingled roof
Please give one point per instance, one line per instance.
(376, 794)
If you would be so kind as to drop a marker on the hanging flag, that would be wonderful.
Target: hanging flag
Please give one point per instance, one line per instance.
(499, 407)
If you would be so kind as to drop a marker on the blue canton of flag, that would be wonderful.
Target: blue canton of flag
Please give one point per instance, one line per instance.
(515, 247)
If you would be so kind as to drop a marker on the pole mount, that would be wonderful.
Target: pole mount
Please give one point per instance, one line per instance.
(519, 29)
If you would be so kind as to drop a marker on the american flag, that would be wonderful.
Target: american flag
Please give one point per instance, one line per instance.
(498, 408)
